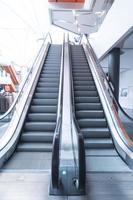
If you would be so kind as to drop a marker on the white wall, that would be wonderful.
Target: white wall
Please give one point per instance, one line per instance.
(118, 22)
(126, 83)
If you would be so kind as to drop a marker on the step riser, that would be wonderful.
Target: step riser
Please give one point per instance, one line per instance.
(45, 84)
(46, 96)
(86, 124)
(49, 76)
(52, 102)
(96, 134)
(49, 80)
(87, 100)
(84, 88)
(39, 127)
(89, 106)
(86, 93)
(83, 79)
(41, 118)
(34, 149)
(43, 109)
(84, 83)
(36, 138)
(46, 90)
(98, 146)
(97, 114)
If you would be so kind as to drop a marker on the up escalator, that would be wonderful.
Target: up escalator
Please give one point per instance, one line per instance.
(36, 139)
(101, 155)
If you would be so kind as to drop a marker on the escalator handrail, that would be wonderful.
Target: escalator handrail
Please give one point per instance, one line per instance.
(108, 83)
(56, 140)
(81, 149)
(123, 139)
(25, 82)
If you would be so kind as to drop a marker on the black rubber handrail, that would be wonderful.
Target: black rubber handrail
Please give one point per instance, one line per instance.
(10, 110)
(56, 140)
(81, 149)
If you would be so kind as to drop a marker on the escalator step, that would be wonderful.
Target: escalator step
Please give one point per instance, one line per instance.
(82, 74)
(46, 84)
(87, 99)
(41, 117)
(49, 71)
(43, 109)
(46, 90)
(43, 75)
(80, 70)
(51, 80)
(90, 78)
(86, 123)
(34, 147)
(85, 83)
(88, 106)
(45, 95)
(98, 143)
(45, 102)
(37, 137)
(86, 93)
(39, 126)
(85, 88)
(90, 114)
(101, 152)
(95, 132)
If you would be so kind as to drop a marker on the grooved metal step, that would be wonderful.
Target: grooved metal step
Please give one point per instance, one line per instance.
(46, 84)
(45, 95)
(85, 83)
(87, 99)
(89, 114)
(43, 109)
(34, 147)
(93, 132)
(39, 126)
(82, 74)
(43, 75)
(41, 117)
(85, 123)
(75, 70)
(98, 143)
(45, 102)
(88, 106)
(49, 80)
(86, 93)
(47, 90)
(85, 88)
(87, 78)
(37, 137)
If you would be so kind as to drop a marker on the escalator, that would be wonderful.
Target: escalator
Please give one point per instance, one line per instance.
(89, 111)
(35, 142)
(104, 165)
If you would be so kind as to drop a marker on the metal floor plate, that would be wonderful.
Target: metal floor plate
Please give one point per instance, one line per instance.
(29, 161)
(26, 186)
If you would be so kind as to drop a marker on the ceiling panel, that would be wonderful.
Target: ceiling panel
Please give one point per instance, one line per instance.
(67, 26)
(63, 15)
(90, 19)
